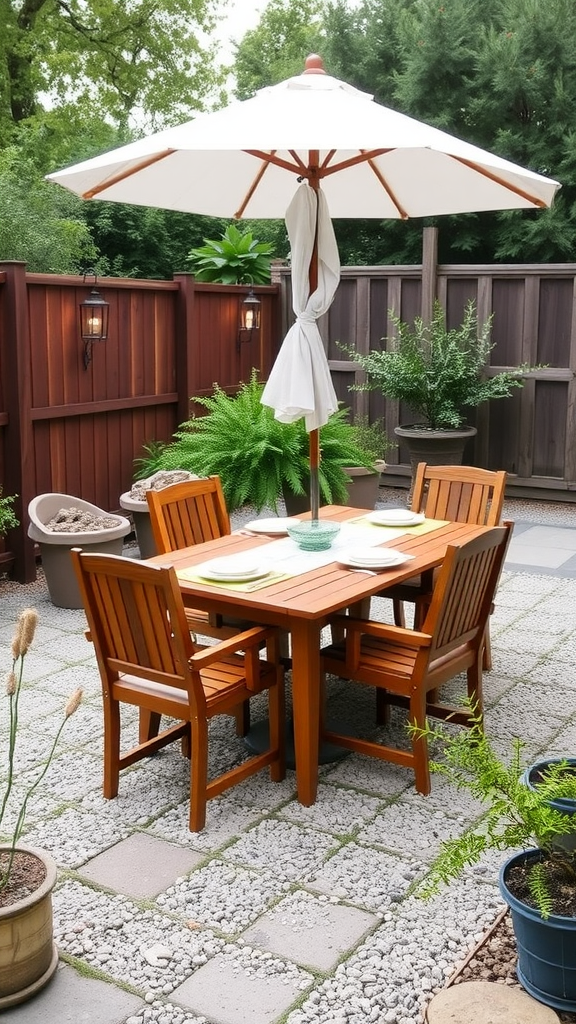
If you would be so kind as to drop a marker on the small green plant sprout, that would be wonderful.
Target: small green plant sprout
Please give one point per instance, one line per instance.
(8, 519)
(439, 373)
(236, 258)
(372, 437)
(516, 817)
(21, 642)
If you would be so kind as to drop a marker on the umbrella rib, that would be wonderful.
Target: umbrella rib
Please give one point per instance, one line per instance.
(500, 181)
(126, 174)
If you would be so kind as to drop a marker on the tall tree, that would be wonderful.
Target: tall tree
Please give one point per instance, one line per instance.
(150, 57)
(287, 32)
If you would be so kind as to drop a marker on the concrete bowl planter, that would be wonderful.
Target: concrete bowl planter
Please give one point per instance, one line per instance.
(56, 544)
(28, 955)
(134, 502)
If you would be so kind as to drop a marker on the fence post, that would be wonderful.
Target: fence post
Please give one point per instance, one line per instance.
(187, 373)
(19, 467)
(429, 272)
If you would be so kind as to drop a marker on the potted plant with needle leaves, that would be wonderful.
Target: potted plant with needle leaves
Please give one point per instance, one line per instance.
(539, 880)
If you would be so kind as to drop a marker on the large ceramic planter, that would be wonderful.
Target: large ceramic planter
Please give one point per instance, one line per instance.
(436, 447)
(546, 947)
(28, 955)
(55, 547)
(565, 805)
(363, 485)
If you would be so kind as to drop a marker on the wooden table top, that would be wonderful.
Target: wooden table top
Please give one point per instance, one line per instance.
(322, 591)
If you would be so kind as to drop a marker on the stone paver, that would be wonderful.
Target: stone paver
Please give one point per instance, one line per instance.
(140, 865)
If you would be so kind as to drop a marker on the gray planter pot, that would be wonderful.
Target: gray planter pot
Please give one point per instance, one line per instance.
(138, 506)
(362, 490)
(55, 547)
(436, 447)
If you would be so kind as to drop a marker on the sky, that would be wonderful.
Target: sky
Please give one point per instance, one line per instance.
(241, 16)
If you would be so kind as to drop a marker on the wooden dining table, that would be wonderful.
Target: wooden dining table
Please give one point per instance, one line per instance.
(302, 605)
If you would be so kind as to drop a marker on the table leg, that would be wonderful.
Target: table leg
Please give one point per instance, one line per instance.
(306, 707)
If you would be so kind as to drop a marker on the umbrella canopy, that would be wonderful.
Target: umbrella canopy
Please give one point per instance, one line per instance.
(369, 161)
(242, 161)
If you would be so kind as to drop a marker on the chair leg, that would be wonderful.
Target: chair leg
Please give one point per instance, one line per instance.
(277, 725)
(242, 718)
(149, 725)
(111, 748)
(382, 707)
(198, 774)
(420, 744)
(487, 651)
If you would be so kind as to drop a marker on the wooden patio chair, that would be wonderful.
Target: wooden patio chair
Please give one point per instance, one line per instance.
(408, 666)
(148, 658)
(190, 513)
(462, 494)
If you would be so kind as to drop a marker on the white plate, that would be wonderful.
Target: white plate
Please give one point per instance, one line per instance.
(383, 560)
(225, 577)
(275, 526)
(230, 566)
(395, 517)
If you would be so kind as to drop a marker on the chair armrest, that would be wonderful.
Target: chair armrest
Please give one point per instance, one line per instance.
(250, 638)
(384, 631)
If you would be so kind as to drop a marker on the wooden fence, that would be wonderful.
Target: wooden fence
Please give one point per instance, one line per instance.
(532, 434)
(73, 430)
(77, 431)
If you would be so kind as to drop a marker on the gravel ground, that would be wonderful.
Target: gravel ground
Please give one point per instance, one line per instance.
(334, 883)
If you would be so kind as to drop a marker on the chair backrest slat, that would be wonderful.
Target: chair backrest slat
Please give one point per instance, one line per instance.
(137, 620)
(464, 590)
(462, 494)
(188, 513)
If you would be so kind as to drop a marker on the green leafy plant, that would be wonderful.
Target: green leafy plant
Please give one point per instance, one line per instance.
(8, 519)
(516, 817)
(236, 258)
(372, 437)
(438, 372)
(254, 454)
(21, 642)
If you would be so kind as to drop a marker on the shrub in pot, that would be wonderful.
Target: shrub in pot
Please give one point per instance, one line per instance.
(538, 883)
(28, 955)
(440, 374)
(258, 459)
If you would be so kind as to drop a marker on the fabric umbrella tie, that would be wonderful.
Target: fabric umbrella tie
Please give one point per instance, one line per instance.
(300, 383)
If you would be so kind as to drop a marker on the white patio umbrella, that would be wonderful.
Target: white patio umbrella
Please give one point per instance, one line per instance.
(369, 161)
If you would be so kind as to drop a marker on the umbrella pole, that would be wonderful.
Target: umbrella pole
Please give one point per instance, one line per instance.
(314, 435)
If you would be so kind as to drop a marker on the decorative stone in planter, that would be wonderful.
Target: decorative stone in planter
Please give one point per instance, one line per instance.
(60, 522)
(134, 501)
(28, 955)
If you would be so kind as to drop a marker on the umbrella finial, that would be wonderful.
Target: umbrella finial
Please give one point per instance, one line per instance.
(314, 65)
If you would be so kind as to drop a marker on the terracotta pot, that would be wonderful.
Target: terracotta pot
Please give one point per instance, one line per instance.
(28, 955)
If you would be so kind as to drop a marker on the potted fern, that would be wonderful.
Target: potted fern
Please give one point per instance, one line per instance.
(258, 459)
(539, 882)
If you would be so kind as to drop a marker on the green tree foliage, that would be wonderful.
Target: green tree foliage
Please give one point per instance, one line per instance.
(276, 49)
(112, 58)
(40, 225)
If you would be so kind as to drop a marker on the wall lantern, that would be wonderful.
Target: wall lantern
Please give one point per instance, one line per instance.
(94, 313)
(249, 318)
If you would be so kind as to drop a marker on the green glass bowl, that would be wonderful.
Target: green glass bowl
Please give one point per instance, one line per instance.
(314, 535)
